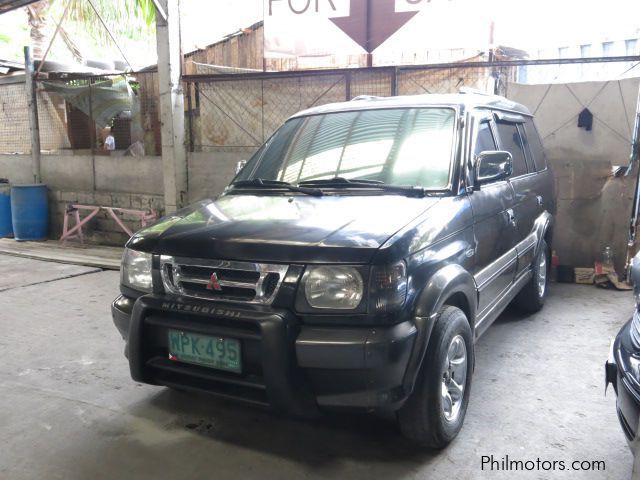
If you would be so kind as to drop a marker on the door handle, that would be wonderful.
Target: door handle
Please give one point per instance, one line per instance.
(539, 199)
(511, 216)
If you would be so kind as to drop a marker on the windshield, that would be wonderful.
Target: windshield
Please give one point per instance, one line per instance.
(401, 146)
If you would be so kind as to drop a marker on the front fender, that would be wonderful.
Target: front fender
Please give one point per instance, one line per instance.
(443, 284)
(450, 280)
(542, 225)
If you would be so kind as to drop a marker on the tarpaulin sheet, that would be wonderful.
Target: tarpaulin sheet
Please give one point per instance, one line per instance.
(102, 101)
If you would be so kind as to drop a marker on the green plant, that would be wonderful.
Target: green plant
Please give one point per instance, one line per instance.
(125, 18)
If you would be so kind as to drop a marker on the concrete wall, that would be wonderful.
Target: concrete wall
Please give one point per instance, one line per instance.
(209, 173)
(118, 181)
(17, 168)
(593, 206)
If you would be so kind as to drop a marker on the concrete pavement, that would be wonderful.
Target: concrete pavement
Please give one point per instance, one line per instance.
(69, 410)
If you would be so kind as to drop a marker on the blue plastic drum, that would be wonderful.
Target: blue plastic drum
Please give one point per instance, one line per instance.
(30, 212)
(5, 209)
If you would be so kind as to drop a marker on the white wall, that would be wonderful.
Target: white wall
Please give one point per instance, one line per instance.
(593, 207)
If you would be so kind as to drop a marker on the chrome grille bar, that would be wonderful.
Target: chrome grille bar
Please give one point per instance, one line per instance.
(261, 291)
(223, 283)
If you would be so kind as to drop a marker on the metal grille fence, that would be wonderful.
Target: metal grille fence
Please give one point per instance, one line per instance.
(238, 112)
(14, 119)
(77, 113)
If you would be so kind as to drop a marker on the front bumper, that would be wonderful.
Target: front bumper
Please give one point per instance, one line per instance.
(619, 371)
(287, 366)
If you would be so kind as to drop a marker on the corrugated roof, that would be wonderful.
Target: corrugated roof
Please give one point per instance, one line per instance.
(11, 64)
(8, 5)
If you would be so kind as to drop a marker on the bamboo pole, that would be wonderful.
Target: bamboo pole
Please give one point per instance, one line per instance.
(32, 104)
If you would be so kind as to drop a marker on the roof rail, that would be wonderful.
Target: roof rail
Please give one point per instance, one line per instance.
(366, 97)
(470, 90)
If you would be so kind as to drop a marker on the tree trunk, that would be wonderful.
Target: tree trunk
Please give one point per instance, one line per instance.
(38, 28)
(41, 35)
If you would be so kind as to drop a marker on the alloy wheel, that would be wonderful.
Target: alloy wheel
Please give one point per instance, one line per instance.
(454, 378)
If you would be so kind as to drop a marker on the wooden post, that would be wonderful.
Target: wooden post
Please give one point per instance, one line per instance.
(32, 105)
(394, 81)
(174, 152)
(347, 86)
(190, 116)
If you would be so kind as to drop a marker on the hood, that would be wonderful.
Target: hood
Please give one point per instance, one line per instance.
(279, 228)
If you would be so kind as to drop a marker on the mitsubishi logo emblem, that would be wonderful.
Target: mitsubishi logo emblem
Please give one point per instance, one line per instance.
(214, 283)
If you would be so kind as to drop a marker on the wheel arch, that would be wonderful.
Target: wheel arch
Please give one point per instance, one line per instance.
(451, 285)
(544, 229)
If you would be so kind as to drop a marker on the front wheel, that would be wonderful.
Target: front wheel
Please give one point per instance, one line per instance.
(434, 412)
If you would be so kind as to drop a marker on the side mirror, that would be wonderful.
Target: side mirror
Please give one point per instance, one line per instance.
(240, 165)
(492, 166)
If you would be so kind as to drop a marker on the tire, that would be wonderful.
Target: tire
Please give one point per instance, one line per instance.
(532, 296)
(424, 418)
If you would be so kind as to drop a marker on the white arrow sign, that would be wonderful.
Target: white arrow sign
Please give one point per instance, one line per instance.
(339, 33)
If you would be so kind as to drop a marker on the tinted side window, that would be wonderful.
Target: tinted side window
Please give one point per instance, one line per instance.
(527, 149)
(484, 140)
(535, 145)
(511, 141)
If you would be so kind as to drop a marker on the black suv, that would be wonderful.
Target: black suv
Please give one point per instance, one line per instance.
(352, 262)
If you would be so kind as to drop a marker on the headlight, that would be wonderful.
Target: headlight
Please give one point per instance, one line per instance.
(339, 288)
(135, 271)
(388, 287)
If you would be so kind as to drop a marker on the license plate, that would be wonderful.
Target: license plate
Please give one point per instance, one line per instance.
(214, 352)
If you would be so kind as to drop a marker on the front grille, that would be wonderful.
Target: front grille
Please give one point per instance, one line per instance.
(222, 280)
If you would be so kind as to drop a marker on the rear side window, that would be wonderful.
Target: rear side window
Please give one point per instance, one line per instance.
(535, 145)
(527, 150)
(511, 141)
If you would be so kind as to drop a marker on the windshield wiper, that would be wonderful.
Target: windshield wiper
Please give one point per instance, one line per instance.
(276, 184)
(341, 182)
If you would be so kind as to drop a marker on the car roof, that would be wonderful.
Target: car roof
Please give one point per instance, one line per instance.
(463, 100)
